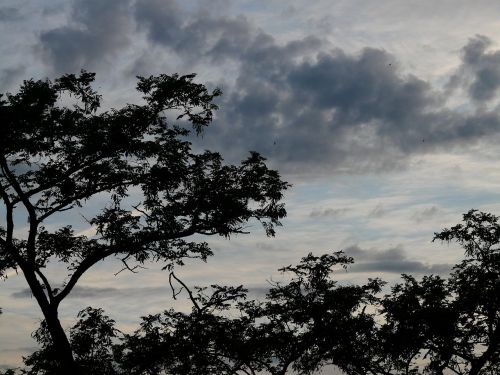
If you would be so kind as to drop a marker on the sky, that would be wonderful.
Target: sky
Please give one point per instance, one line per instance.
(383, 115)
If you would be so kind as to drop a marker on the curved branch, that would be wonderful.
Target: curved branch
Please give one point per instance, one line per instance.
(88, 262)
(8, 241)
(15, 184)
(10, 220)
(80, 270)
(191, 297)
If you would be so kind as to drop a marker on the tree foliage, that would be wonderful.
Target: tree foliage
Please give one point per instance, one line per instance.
(91, 338)
(432, 325)
(56, 158)
(442, 325)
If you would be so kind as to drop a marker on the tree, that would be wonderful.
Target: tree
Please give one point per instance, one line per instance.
(205, 341)
(303, 324)
(437, 325)
(55, 158)
(91, 338)
(434, 325)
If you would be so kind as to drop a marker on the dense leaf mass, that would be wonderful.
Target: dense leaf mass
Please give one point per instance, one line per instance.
(432, 325)
(55, 157)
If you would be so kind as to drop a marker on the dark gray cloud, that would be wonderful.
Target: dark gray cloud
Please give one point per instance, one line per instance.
(342, 112)
(96, 31)
(479, 72)
(162, 19)
(258, 291)
(301, 103)
(77, 292)
(203, 34)
(86, 292)
(392, 260)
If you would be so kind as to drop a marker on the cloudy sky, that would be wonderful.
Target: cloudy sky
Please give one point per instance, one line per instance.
(384, 115)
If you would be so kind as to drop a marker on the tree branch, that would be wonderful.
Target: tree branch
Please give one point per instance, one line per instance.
(478, 364)
(127, 267)
(67, 174)
(30, 248)
(191, 297)
(9, 218)
(62, 206)
(45, 281)
(115, 249)
(8, 242)
(80, 270)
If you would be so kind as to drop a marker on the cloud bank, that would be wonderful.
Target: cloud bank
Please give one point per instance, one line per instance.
(303, 103)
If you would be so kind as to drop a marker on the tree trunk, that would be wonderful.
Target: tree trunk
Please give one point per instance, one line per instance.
(60, 341)
(61, 344)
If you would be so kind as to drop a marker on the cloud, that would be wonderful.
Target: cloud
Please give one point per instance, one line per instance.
(96, 31)
(161, 19)
(340, 112)
(392, 260)
(303, 103)
(202, 34)
(479, 73)
(10, 14)
(328, 212)
(378, 211)
(9, 76)
(87, 292)
(426, 214)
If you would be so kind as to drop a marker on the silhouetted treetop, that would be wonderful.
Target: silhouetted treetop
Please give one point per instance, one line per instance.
(55, 157)
(431, 325)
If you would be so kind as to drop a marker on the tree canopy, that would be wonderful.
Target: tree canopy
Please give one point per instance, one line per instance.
(432, 325)
(55, 157)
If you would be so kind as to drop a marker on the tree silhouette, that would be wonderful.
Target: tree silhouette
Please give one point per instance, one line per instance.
(91, 338)
(440, 326)
(434, 325)
(55, 158)
(303, 324)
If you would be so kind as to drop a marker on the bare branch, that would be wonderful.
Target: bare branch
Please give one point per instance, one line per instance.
(127, 267)
(191, 297)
